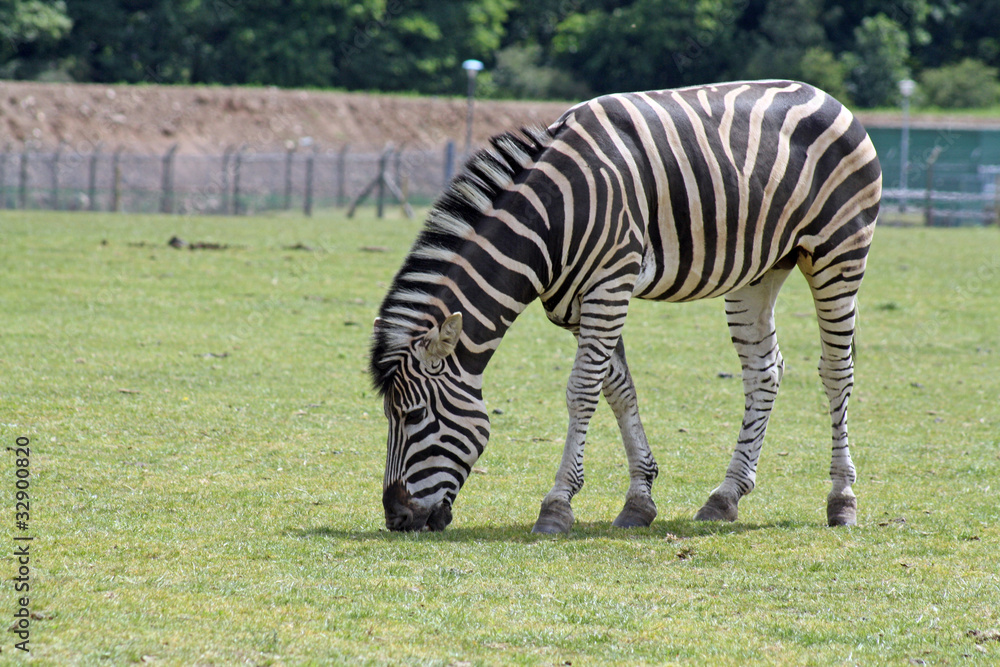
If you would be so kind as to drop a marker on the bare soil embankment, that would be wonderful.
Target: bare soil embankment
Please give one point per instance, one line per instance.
(150, 119)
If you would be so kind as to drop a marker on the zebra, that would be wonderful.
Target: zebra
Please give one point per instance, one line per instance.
(672, 195)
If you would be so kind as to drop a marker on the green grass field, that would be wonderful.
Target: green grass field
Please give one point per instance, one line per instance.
(206, 464)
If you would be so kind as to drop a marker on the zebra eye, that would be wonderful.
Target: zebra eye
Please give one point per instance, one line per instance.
(414, 416)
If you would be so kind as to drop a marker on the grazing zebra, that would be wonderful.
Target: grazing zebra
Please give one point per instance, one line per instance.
(670, 195)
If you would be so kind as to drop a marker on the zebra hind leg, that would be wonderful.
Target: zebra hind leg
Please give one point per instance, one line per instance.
(619, 390)
(834, 293)
(750, 313)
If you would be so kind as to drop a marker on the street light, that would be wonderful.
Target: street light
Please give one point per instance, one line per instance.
(472, 68)
(906, 89)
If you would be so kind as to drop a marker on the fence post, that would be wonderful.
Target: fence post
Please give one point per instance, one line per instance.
(380, 188)
(397, 163)
(3, 176)
(928, 191)
(341, 175)
(167, 198)
(288, 177)
(237, 168)
(54, 197)
(92, 177)
(996, 200)
(449, 161)
(226, 156)
(23, 185)
(116, 192)
(307, 207)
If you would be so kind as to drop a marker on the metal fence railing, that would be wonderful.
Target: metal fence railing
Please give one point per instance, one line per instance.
(238, 182)
(244, 182)
(952, 194)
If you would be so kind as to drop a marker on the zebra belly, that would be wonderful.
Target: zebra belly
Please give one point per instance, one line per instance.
(669, 275)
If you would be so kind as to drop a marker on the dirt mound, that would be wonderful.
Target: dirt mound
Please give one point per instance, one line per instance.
(207, 120)
(150, 119)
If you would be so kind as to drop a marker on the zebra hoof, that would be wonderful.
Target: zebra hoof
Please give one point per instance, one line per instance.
(638, 512)
(718, 508)
(556, 517)
(842, 511)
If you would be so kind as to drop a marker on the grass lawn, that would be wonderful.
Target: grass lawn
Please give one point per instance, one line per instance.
(206, 464)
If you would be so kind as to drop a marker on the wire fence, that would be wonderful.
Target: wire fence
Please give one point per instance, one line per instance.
(953, 195)
(246, 182)
(238, 182)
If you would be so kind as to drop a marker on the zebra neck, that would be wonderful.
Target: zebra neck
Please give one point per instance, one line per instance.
(491, 280)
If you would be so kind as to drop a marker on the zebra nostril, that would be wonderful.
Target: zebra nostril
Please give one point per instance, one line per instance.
(402, 519)
(395, 501)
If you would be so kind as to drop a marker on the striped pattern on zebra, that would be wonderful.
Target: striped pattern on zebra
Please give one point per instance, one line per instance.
(671, 195)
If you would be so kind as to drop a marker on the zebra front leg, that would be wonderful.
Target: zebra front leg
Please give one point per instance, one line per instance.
(598, 334)
(619, 390)
(750, 313)
(582, 393)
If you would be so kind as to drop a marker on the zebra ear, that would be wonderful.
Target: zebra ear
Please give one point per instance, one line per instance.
(441, 341)
(379, 324)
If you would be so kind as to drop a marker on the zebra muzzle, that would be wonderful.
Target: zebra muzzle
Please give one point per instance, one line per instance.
(404, 513)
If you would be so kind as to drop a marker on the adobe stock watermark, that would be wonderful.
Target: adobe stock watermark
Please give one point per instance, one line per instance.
(22, 553)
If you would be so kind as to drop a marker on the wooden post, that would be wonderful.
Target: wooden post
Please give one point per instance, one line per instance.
(310, 166)
(92, 178)
(167, 195)
(116, 192)
(288, 177)
(342, 176)
(23, 185)
(381, 183)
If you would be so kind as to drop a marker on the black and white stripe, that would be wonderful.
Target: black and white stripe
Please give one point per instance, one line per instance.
(669, 195)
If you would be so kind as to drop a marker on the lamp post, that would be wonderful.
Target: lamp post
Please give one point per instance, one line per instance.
(906, 89)
(472, 68)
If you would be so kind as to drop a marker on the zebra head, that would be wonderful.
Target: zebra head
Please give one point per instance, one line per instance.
(438, 424)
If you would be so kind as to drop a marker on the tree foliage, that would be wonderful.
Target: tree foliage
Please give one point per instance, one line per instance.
(26, 27)
(856, 50)
(970, 83)
(878, 63)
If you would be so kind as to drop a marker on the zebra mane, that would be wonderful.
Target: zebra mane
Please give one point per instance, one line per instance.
(487, 174)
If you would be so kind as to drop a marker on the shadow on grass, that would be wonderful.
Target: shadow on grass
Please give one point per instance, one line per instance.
(521, 533)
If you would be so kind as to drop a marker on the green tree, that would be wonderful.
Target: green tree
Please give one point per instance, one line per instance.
(966, 29)
(419, 45)
(824, 70)
(970, 83)
(414, 45)
(787, 29)
(790, 43)
(915, 17)
(26, 26)
(878, 61)
(118, 41)
(519, 73)
(645, 44)
(291, 43)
